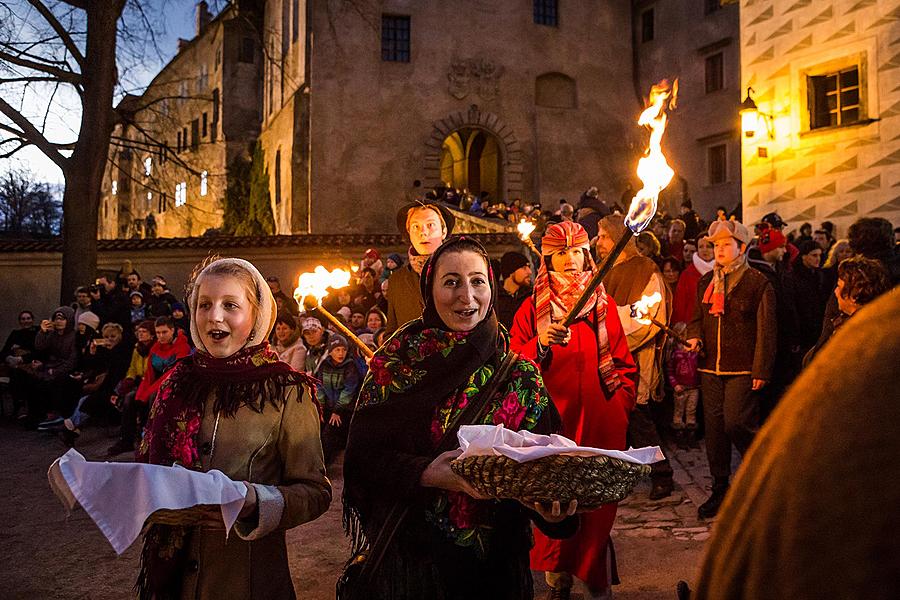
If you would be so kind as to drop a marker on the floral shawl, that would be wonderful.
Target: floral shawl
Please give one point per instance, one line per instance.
(252, 377)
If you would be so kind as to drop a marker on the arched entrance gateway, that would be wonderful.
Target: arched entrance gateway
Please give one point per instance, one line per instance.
(477, 151)
(470, 159)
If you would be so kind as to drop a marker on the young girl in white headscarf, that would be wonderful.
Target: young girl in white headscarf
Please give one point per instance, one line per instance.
(233, 406)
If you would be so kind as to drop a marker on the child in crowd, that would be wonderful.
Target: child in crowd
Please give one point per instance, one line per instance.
(340, 383)
(123, 394)
(138, 310)
(682, 374)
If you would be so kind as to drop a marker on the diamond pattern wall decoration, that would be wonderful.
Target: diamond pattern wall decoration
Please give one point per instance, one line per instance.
(788, 196)
(847, 211)
(824, 192)
(784, 71)
(765, 179)
(891, 159)
(754, 201)
(873, 183)
(864, 142)
(892, 206)
(752, 40)
(848, 165)
(821, 149)
(807, 171)
(807, 215)
(797, 6)
(763, 16)
(801, 45)
(887, 19)
(825, 15)
(765, 56)
(783, 30)
(892, 111)
(861, 5)
(893, 63)
(844, 31)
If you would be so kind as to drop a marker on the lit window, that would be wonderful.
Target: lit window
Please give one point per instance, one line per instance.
(115, 187)
(149, 195)
(203, 183)
(148, 166)
(835, 99)
(181, 194)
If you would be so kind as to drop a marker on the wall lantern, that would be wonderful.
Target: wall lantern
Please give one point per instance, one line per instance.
(751, 117)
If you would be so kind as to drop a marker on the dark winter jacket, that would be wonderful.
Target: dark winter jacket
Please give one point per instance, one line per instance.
(23, 338)
(809, 296)
(59, 350)
(743, 340)
(507, 304)
(340, 384)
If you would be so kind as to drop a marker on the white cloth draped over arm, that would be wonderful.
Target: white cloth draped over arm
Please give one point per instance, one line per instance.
(638, 332)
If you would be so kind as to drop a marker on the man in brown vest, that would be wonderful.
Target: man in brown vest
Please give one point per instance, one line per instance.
(633, 277)
(735, 323)
(426, 225)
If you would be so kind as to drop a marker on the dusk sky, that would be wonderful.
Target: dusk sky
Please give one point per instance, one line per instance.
(62, 123)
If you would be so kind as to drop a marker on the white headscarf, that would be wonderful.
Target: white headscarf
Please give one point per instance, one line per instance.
(265, 317)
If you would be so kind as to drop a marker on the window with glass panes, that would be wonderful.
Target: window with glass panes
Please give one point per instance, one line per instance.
(717, 164)
(715, 72)
(395, 38)
(834, 98)
(546, 12)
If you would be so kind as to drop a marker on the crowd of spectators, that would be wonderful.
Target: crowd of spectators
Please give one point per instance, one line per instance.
(101, 358)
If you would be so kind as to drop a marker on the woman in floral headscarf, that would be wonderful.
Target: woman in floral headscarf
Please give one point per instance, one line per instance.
(591, 377)
(233, 406)
(452, 544)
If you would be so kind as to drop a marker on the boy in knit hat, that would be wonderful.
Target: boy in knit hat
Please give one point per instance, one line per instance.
(735, 323)
(516, 273)
(337, 394)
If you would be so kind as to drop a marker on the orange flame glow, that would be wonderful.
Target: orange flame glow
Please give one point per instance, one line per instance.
(641, 309)
(653, 170)
(316, 284)
(525, 228)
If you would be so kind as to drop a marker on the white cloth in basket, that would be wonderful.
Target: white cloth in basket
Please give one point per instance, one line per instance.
(120, 496)
(523, 446)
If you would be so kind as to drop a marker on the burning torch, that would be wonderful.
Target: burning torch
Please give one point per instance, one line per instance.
(313, 287)
(525, 228)
(640, 312)
(654, 172)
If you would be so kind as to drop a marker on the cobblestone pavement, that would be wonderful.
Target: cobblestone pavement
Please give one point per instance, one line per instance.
(45, 554)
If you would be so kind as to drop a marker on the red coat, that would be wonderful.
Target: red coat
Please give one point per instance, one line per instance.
(685, 301)
(589, 417)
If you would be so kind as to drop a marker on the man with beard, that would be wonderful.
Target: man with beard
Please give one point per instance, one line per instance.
(426, 225)
(633, 277)
(516, 273)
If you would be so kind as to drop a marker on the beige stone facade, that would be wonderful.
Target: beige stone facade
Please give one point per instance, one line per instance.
(168, 158)
(827, 75)
(699, 43)
(552, 108)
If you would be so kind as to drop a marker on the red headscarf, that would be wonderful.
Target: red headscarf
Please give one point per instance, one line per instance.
(556, 293)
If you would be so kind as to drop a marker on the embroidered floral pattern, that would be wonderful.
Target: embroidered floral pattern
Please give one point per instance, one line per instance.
(517, 406)
(398, 366)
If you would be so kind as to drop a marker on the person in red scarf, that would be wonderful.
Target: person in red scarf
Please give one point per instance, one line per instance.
(734, 321)
(170, 345)
(235, 407)
(591, 377)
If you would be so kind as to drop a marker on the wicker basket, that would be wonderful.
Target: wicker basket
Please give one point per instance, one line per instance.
(181, 517)
(592, 480)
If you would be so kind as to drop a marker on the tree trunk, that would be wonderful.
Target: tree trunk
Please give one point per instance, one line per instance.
(85, 168)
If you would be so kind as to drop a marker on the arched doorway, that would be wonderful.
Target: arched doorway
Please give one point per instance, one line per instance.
(470, 159)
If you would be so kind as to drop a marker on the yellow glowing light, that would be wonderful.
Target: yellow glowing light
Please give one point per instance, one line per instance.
(653, 170)
(749, 122)
(641, 308)
(316, 284)
(525, 228)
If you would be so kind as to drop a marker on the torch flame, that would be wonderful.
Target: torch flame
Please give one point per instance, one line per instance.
(653, 170)
(525, 228)
(316, 284)
(641, 309)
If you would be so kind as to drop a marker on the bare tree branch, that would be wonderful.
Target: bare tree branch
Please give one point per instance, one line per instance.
(60, 31)
(30, 133)
(28, 79)
(22, 144)
(62, 74)
(82, 4)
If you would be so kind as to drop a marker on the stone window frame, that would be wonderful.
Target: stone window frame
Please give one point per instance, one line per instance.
(717, 146)
(845, 60)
